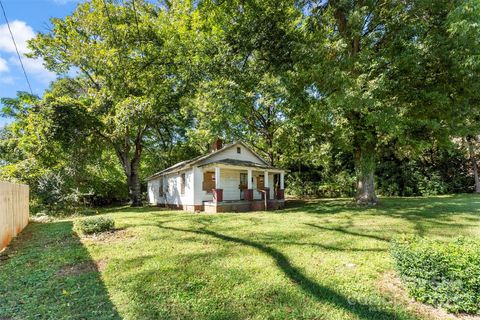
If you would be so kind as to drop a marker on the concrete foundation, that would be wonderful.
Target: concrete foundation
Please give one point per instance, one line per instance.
(231, 206)
(242, 206)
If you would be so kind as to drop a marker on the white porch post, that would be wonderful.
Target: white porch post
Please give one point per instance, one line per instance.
(248, 194)
(282, 180)
(249, 179)
(217, 178)
(266, 188)
(218, 191)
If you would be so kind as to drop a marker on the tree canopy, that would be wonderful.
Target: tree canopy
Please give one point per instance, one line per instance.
(351, 95)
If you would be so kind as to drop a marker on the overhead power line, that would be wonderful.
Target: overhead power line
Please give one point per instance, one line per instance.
(16, 48)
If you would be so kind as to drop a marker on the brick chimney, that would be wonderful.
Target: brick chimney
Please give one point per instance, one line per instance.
(217, 144)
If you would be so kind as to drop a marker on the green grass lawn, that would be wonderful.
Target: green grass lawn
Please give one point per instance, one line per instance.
(316, 260)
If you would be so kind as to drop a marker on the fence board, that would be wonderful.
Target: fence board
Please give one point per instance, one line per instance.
(14, 211)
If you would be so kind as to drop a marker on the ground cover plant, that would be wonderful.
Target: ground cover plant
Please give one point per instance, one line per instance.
(445, 274)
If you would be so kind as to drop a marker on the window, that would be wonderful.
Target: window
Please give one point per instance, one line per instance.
(243, 181)
(239, 150)
(182, 185)
(208, 181)
(260, 182)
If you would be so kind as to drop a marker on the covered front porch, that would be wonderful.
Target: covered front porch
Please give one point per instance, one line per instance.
(235, 186)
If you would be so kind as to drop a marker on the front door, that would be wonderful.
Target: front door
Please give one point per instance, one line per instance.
(243, 185)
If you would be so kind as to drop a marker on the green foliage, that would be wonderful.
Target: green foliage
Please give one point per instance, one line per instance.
(129, 82)
(432, 172)
(445, 274)
(93, 225)
(71, 286)
(246, 90)
(311, 185)
(360, 65)
(46, 148)
(322, 88)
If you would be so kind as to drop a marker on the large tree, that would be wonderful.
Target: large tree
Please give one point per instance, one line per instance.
(383, 70)
(464, 32)
(127, 65)
(47, 147)
(247, 64)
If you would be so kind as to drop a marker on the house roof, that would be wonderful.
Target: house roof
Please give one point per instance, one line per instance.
(240, 163)
(188, 163)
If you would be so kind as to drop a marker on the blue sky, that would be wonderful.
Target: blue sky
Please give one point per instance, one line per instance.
(26, 17)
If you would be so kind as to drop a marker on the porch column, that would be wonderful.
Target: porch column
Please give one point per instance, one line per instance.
(217, 178)
(249, 192)
(265, 185)
(281, 191)
(218, 191)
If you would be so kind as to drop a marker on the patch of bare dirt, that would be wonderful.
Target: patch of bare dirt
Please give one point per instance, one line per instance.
(77, 269)
(81, 268)
(391, 285)
(4, 256)
(101, 264)
(115, 235)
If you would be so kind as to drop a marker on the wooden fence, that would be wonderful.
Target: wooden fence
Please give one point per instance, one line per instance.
(13, 211)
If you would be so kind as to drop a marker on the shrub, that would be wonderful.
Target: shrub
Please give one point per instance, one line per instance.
(310, 185)
(94, 225)
(445, 274)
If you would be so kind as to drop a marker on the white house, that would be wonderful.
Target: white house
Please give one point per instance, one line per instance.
(228, 179)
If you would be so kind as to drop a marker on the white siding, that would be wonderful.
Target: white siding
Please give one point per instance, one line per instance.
(230, 179)
(153, 193)
(172, 189)
(173, 195)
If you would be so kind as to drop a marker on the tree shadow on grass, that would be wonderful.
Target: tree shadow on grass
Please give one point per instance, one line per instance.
(180, 288)
(429, 207)
(315, 290)
(128, 209)
(349, 232)
(319, 206)
(48, 273)
(423, 213)
(324, 247)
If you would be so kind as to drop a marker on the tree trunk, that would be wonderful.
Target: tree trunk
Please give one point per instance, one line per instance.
(365, 171)
(473, 158)
(130, 168)
(475, 173)
(134, 190)
(364, 148)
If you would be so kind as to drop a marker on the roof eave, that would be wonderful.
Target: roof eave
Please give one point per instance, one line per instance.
(261, 167)
(204, 157)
